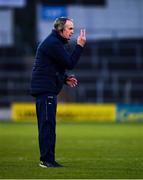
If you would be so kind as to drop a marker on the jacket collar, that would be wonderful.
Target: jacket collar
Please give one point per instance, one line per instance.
(55, 33)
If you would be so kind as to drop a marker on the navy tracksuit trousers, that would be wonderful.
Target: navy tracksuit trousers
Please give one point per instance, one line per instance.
(46, 114)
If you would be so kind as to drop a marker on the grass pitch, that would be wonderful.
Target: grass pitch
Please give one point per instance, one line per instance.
(87, 150)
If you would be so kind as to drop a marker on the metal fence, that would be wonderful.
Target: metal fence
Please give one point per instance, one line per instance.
(106, 76)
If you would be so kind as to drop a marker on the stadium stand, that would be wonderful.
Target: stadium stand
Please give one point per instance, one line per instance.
(111, 67)
(113, 73)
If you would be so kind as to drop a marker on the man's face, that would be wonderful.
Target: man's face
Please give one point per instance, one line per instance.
(68, 30)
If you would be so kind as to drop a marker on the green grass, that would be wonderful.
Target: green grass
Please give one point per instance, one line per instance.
(87, 150)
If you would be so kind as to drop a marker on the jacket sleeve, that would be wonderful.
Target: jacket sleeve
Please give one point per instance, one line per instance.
(65, 78)
(63, 58)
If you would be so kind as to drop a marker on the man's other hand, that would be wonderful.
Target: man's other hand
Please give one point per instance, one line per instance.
(71, 81)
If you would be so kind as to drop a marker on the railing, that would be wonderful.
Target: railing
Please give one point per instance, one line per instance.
(112, 77)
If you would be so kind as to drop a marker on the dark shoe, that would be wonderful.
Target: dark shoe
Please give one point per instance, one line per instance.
(57, 164)
(49, 164)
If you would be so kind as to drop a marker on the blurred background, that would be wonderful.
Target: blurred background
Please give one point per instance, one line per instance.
(111, 67)
(110, 89)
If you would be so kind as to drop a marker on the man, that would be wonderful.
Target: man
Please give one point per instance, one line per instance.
(48, 77)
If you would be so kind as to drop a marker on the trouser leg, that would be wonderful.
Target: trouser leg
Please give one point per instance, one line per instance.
(46, 115)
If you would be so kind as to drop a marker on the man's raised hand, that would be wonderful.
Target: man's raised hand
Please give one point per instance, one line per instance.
(81, 40)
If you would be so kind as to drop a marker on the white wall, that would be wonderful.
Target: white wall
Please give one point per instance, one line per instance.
(6, 27)
(119, 18)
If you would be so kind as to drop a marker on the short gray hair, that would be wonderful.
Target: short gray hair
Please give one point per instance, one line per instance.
(59, 23)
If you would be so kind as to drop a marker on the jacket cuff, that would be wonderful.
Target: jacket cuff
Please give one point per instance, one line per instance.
(65, 78)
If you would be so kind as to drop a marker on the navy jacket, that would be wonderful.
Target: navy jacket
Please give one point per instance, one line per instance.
(52, 60)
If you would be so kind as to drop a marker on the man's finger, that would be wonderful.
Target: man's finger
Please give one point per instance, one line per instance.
(81, 33)
(84, 32)
(73, 81)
